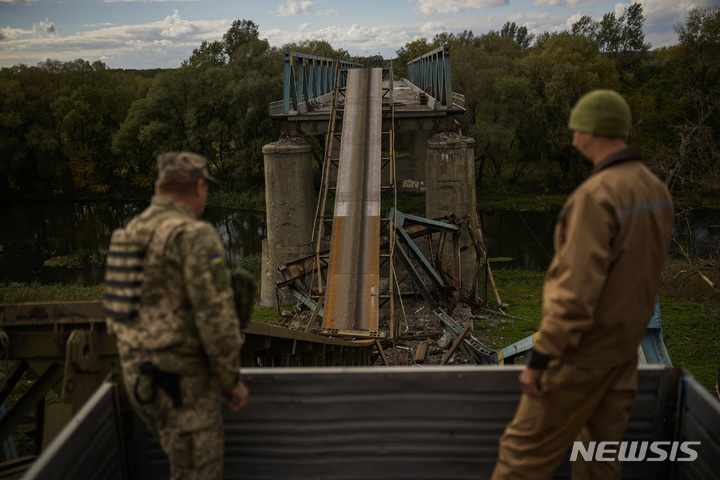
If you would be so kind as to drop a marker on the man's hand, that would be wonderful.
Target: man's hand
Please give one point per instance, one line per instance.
(237, 398)
(530, 382)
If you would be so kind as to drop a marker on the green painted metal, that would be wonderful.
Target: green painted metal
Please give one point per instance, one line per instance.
(431, 73)
(307, 77)
(652, 350)
(481, 353)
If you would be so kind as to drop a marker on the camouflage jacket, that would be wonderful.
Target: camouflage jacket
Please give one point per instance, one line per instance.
(185, 319)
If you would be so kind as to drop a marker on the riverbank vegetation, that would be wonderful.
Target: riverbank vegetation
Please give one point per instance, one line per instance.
(82, 130)
(689, 310)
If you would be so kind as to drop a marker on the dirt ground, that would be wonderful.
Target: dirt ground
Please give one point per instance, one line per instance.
(418, 325)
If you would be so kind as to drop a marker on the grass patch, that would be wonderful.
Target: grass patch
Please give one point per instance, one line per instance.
(239, 199)
(252, 264)
(521, 290)
(264, 315)
(692, 337)
(13, 292)
(688, 308)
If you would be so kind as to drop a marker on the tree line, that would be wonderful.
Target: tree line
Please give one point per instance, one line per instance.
(78, 128)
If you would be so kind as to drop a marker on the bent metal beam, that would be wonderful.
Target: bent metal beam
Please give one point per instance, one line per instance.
(352, 301)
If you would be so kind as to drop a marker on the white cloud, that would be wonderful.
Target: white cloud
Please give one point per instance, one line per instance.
(291, 8)
(430, 7)
(146, 1)
(580, 3)
(169, 40)
(620, 9)
(361, 40)
(671, 11)
(174, 26)
(45, 27)
(142, 44)
(547, 3)
(573, 19)
(429, 29)
(162, 44)
(12, 33)
(662, 16)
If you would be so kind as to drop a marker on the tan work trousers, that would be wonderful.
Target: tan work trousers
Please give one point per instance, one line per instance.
(579, 404)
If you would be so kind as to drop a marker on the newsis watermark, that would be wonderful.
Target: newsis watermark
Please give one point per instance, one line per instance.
(658, 451)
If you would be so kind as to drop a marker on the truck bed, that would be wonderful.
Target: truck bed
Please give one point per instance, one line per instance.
(375, 422)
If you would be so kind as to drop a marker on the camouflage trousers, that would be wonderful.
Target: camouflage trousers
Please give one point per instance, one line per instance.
(191, 434)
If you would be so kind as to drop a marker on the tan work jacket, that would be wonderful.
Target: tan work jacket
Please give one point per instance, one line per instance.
(611, 239)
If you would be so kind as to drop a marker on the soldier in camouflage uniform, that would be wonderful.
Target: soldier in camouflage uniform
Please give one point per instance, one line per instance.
(169, 301)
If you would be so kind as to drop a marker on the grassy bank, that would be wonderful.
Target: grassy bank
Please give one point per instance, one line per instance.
(239, 199)
(688, 307)
(13, 292)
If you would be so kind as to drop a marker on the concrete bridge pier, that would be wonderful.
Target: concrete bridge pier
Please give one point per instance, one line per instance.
(450, 188)
(290, 206)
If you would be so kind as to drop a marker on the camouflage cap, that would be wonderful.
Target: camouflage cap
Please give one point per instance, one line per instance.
(179, 166)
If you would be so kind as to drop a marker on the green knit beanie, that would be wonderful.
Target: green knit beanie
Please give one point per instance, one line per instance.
(601, 112)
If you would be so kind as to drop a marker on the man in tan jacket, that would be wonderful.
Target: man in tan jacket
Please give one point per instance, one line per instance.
(611, 239)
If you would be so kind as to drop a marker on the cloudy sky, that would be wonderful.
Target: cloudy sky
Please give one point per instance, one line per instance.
(163, 33)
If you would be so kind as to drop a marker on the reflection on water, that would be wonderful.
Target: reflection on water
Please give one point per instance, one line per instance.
(33, 233)
(526, 238)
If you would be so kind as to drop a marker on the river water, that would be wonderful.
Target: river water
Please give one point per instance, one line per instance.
(64, 242)
(32, 234)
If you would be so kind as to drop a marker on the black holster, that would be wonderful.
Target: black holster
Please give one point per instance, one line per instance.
(169, 382)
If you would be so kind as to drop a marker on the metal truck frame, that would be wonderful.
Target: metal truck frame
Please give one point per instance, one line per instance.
(376, 423)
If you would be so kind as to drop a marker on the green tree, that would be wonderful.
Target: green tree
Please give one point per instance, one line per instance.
(693, 112)
(29, 146)
(586, 27)
(560, 69)
(486, 71)
(318, 48)
(621, 38)
(209, 54)
(241, 33)
(409, 52)
(519, 34)
(57, 121)
(216, 105)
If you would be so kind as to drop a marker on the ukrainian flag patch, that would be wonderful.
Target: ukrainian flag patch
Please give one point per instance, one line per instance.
(217, 265)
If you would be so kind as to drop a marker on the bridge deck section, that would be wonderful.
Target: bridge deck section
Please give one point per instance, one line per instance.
(414, 111)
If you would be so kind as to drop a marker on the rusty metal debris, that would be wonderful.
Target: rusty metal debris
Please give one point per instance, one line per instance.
(441, 290)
